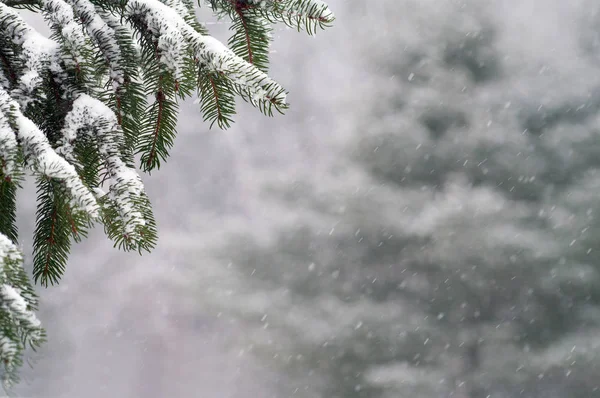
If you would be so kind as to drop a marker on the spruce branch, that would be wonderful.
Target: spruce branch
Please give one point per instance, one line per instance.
(10, 178)
(76, 107)
(211, 54)
(305, 15)
(52, 240)
(104, 38)
(128, 101)
(216, 97)
(40, 156)
(19, 327)
(126, 192)
(31, 5)
(8, 204)
(301, 14)
(66, 30)
(252, 35)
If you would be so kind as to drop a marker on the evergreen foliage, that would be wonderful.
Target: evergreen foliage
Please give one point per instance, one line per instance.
(77, 107)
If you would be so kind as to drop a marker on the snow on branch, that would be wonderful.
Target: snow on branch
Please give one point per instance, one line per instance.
(170, 28)
(165, 25)
(8, 253)
(104, 37)
(8, 148)
(36, 53)
(60, 118)
(43, 159)
(20, 326)
(126, 189)
(61, 16)
(20, 310)
(181, 9)
(259, 85)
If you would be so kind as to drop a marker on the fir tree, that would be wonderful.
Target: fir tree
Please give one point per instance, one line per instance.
(78, 107)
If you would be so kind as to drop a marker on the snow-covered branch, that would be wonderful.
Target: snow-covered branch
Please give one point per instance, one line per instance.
(19, 324)
(43, 158)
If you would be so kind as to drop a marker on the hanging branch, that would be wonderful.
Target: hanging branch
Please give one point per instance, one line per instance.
(75, 109)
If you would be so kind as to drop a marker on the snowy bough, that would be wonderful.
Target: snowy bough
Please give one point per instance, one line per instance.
(77, 109)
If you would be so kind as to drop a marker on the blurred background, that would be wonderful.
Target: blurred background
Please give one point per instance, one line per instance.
(422, 223)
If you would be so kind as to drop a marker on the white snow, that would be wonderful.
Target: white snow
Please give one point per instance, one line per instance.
(61, 14)
(13, 302)
(8, 251)
(18, 306)
(42, 158)
(90, 114)
(165, 21)
(104, 36)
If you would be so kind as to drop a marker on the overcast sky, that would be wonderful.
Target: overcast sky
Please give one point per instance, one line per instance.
(456, 135)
